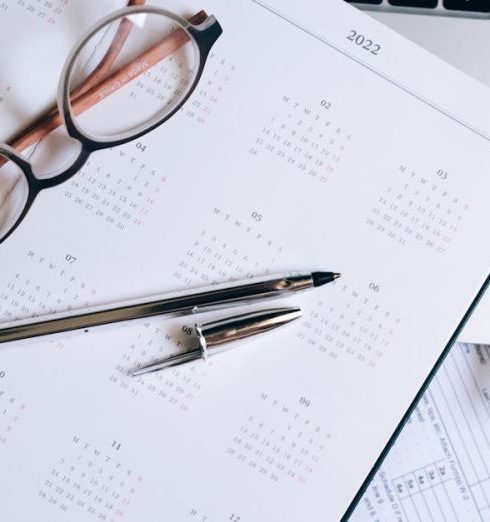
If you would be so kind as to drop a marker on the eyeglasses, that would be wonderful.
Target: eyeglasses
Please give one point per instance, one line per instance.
(95, 108)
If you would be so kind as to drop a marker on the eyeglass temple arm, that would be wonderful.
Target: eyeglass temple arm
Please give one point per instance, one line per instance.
(50, 121)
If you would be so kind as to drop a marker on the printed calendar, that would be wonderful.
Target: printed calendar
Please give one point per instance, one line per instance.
(275, 163)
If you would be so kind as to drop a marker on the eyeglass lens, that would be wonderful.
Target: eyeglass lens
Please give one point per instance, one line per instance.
(120, 105)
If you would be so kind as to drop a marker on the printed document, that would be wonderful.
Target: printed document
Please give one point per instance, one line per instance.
(438, 469)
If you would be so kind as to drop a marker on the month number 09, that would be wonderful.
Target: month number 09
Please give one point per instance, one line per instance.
(304, 402)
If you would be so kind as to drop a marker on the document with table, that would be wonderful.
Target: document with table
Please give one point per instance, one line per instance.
(314, 138)
(439, 467)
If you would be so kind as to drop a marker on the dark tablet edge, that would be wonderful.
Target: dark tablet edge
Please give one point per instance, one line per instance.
(414, 403)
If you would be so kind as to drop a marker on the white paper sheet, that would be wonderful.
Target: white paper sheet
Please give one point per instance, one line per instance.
(300, 150)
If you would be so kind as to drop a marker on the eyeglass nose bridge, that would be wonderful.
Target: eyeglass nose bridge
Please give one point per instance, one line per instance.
(34, 184)
(37, 184)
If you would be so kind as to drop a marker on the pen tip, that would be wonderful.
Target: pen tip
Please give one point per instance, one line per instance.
(322, 278)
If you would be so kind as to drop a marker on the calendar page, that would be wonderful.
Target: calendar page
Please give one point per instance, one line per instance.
(316, 139)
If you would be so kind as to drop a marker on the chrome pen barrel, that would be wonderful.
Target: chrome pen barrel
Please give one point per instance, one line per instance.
(211, 298)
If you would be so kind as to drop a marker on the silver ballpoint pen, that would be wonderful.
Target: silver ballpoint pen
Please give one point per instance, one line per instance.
(210, 298)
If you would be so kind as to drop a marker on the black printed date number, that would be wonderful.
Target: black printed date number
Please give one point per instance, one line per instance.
(360, 40)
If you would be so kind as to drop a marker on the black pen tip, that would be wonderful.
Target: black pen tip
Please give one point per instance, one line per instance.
(322, 278)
